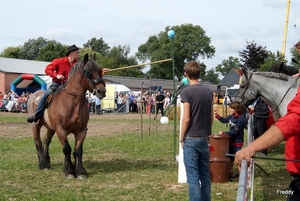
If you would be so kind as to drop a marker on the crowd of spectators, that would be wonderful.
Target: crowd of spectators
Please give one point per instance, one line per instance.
(145, 103)
(11, 101)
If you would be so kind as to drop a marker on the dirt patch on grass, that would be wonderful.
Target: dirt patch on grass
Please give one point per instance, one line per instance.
(99, 125)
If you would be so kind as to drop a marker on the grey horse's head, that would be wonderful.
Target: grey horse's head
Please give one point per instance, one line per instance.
(247, 92)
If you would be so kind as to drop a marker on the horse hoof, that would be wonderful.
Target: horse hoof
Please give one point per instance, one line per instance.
(82, 176)
(70, 176)
(46, 169)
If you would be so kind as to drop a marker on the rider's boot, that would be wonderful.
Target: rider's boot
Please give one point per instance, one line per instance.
(33, 118)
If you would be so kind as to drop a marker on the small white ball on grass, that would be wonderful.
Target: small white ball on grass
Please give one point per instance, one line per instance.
(164, 120)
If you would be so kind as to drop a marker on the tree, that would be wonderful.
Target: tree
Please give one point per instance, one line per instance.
(31, 49)
(11, 52)
(190, 43)
(253, 56)
(211, 76)
(103, 61)
(118, 56)
(227, 65)
(271, 60)
(203, 70)
(51, 51)
(97, 45)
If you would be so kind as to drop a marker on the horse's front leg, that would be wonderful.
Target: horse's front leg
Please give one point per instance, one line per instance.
(67, 150)
(78, 152)
(68, 165)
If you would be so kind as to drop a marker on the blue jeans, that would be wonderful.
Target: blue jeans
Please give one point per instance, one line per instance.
(40, 108)
(119, 106)
(233, 150)
(196, 161)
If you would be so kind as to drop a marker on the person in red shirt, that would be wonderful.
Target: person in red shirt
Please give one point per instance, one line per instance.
(286, 128)
(58, 69)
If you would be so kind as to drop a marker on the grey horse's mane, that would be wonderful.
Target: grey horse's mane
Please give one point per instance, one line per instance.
(279, 76)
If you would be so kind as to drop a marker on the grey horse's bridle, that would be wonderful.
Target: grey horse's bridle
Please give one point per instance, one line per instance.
(246, 87)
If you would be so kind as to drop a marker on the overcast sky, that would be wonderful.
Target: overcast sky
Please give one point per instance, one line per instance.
(229, 23)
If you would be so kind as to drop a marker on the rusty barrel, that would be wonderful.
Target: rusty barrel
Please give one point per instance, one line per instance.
(218, 162)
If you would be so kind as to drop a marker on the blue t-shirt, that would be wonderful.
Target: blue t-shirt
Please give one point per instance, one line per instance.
(98, 101)
(131, 99)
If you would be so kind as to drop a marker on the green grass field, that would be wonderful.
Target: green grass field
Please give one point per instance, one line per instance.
(122, 167)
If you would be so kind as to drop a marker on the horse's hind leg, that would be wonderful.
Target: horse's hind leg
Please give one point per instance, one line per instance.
(44, 162)
(47, 141)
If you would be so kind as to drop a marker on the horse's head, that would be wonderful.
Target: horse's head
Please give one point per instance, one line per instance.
(247, 93)
(93, 77)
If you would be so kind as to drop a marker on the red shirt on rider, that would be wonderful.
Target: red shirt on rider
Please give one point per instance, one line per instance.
(58, 68)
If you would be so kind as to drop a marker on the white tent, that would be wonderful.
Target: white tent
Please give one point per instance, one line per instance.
(120, 88)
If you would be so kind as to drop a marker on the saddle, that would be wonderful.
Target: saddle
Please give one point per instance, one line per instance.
(49, 99)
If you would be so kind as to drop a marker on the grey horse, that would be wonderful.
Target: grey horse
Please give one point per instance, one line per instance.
(276, 89)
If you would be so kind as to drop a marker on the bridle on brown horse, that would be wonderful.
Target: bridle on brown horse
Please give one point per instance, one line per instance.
(87, 75)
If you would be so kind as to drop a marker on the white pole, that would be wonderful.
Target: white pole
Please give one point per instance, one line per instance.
(181, 167)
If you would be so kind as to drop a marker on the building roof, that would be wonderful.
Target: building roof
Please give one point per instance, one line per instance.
(230, 79)
(134, 82)
(9, 65)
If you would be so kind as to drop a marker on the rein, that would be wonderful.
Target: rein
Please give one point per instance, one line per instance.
(83, 95)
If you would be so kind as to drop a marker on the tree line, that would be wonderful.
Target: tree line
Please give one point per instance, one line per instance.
(190, 43)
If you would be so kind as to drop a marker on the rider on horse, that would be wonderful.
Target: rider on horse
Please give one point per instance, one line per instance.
(58, 69)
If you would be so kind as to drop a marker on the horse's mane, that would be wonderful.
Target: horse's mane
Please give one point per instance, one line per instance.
(279, 76)
(91, 65)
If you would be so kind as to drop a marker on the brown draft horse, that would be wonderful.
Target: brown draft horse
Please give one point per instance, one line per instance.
(68, 113)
